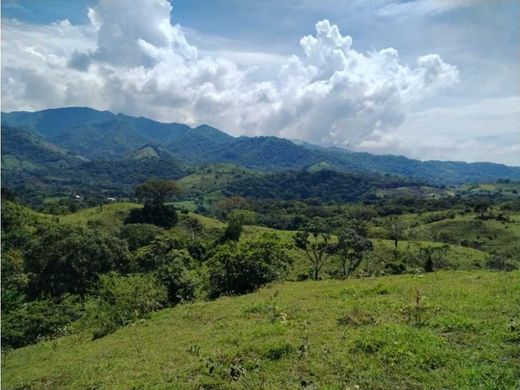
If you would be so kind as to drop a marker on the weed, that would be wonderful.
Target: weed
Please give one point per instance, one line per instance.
(356, 317)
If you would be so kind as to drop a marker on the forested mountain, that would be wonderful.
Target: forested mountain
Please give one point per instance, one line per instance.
(325, 185)
(101, 135)
(26, 150)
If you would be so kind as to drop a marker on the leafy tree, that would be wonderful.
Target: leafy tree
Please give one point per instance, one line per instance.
(154, 193)
(33, 321)
(139, 234)
(14, 280)
(68, 259)
(500, 263)
(194, 226)
(433, 258)
(481, 207)
(119, 300)
(317, 247)
(233, 203)
(150, 257)
(351, 248)
(238, 268)
(157, 191)
(396, 230)
(178, 274)
(233, 229)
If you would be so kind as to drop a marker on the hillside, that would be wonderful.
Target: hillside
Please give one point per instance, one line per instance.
(23, 150)
(103, 135)
(328, 334)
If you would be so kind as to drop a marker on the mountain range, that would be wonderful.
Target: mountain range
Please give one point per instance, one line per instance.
(89, 141)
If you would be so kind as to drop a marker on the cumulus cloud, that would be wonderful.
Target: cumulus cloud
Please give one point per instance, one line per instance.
(487, 130)
(133, 60)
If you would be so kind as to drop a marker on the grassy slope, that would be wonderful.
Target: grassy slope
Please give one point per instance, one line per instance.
(491, 235)
(110, 217)
(333, 334)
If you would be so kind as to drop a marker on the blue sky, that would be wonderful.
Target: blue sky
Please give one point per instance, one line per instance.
(461, 104)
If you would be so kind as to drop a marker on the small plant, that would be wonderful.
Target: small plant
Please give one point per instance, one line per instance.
(418, 311)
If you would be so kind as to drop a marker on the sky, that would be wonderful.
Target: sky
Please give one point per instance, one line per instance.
(428, 79)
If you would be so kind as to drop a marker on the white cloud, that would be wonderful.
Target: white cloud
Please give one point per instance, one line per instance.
(133, 60)
(424, 7)
(488, 130)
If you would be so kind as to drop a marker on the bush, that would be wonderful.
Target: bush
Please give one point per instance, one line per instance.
(238, 268)
(139, 234)
(500, 263)
(179, 277)
(120, 300)
(37, 320)
(149, 258)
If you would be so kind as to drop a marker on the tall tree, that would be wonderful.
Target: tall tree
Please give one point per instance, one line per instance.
(317, 247)
(396, 230)
(154, 193)
(157, 190)
(351, 248)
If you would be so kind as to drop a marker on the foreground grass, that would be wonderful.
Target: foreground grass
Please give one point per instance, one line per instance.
(328, 334)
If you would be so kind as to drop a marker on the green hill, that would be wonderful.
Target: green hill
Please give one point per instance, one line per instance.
(24, 150)
(101, 134)
(367, 334)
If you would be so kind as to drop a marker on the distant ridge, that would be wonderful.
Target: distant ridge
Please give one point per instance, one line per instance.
(102, 135)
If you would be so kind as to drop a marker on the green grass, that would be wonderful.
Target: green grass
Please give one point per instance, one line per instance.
(110, 217)
(489, 235)
(328, 334)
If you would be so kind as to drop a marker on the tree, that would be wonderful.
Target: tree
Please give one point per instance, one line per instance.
(33, 321)
(154, 193)
(68, 259)
(351, 248)
(139, 234)
(236, 220)
(178, 274)
(238, 268)
(119, 300)
(317, 248)
(396, 230)
(481, 207)
(195, 227)
(157, 190)
(151, 257)
(433, 258)
(233, 203)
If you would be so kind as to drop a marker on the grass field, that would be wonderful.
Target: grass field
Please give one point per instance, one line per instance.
(362, 333)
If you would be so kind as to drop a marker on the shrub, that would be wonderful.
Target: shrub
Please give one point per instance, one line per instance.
(120, 300)
(139, 234)
(36, 320)
(500, 263)
(149, 258)
(179, 277)
(238, 268)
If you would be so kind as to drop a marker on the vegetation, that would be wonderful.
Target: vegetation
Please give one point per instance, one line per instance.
(203, 284)
(154, 193)
(370, 333)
